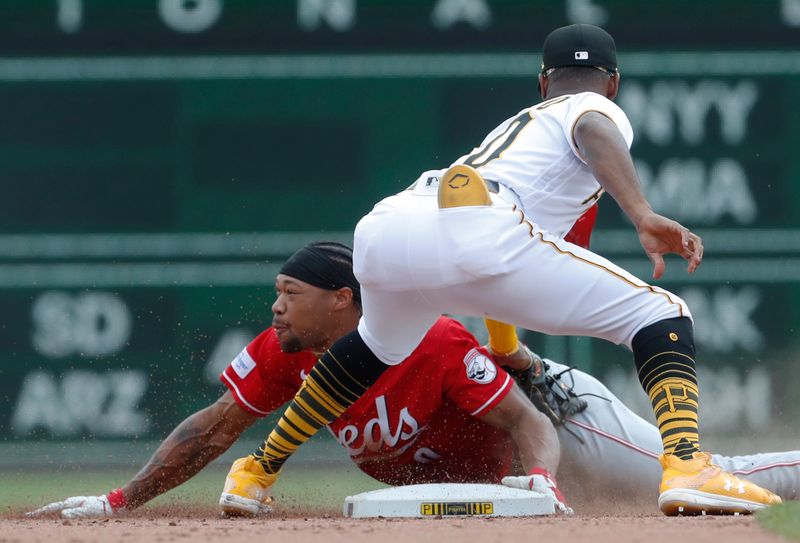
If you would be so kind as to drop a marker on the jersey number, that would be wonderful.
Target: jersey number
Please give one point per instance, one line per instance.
(503, 141)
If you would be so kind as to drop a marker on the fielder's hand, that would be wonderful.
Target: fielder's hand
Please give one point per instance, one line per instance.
(660, 235)
(85, 506)
(540, 481)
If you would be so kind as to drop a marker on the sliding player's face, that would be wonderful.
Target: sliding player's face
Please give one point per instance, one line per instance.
(303, 315)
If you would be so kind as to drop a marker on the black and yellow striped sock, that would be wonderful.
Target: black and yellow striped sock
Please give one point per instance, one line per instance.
(664, 354)
(339, 378)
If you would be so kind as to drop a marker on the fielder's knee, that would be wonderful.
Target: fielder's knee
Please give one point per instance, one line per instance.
(387, 355)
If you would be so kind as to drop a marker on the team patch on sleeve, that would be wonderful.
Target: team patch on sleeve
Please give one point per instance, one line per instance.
(243, 364)
(479, 368)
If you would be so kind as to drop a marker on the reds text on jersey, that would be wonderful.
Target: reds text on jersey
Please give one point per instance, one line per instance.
(418, 423)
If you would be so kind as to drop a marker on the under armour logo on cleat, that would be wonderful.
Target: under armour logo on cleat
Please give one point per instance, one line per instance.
(729, 485)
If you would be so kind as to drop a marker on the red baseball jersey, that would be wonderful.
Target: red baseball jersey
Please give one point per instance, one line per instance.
(418, 423)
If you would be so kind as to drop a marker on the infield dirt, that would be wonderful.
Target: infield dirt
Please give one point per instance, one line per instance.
(168, 524)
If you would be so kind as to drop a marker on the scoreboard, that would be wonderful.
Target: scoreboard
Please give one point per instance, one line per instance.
(271, 26)
(160, 159)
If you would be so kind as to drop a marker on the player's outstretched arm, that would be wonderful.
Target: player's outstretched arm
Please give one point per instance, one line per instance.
(604, 149)
(532, 432)
(189, 448)
(194, 443)
(536, 441)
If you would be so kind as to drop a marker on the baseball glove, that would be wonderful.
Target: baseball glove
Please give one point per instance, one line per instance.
(547, 391)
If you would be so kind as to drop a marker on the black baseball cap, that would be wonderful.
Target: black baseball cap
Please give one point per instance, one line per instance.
(579, 45)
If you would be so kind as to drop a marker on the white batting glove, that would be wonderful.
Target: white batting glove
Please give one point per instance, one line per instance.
(85, 506)
(539, 480)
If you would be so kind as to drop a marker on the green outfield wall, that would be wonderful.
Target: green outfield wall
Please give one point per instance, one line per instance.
(159, 160)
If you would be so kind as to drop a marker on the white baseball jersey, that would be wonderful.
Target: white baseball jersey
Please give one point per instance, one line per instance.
(415, 261)
(534, 154)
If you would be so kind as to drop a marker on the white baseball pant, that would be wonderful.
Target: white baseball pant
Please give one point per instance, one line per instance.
(415, 261)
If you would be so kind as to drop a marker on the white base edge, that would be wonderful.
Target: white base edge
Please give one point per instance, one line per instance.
(448, 500)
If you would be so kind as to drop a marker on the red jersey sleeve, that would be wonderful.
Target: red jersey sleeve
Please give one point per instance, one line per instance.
(471, 379)
(262, 377)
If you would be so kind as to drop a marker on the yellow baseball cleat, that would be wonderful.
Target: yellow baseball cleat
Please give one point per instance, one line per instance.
(696, 486)
(461, 186)
(246, 491)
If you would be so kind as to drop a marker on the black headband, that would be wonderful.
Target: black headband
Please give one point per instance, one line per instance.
(318, 267)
